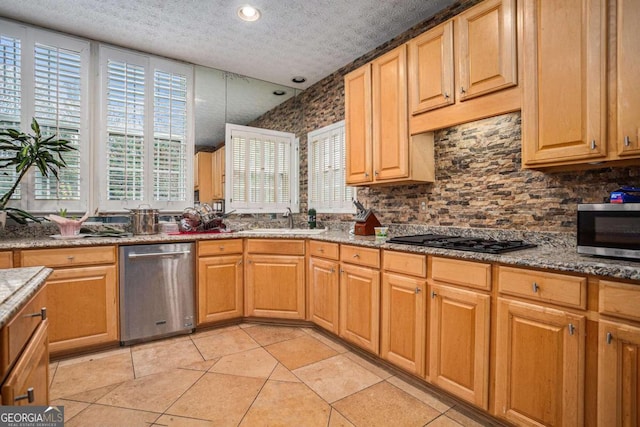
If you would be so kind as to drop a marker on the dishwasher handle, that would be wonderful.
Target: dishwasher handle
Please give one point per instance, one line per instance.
(158, 254)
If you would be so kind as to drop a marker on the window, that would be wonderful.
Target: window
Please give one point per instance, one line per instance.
(45, 76)
(264, 170)
(328, 192)
(147, 145)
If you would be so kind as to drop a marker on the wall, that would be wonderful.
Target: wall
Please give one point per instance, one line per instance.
(479, 180)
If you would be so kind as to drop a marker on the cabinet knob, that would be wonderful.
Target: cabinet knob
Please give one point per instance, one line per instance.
(333, 270)
(43, 313)
(433, 294)
(627, 141)
(535, 287)
(356, 255)
(71, 257)
(221, 248)
(609, 337)
(446, 95)
(572, 329)
(418, 290)
(593, 144)
(366, 174)
(321, 250)
(30, 396)
(462, 90)
(375, 173)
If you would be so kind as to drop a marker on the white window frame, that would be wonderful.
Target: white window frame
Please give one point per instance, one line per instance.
(294, 171)
(320, 205)
(150, 64)
(29, 36)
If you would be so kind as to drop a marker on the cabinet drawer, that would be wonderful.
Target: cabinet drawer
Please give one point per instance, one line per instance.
(621, 300)
(68, 257)
(220, 247)
(555, 288)
(324, 249)
(275, 246)
(405, 263)
(19, 329)
(465, 273)
(6, 259)
(360, 256)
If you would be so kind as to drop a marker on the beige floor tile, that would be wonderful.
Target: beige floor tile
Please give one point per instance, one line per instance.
(336, 377)
(71, 407)
(94, 356)
(385, 405)
(222, 344)
(299, 352)
(443, 421)
(326, 340)
(287, 404)
(52, 371)
(153, 393)
(338, 420)
(256, 363)
(158, 358)
(175, 421)
(109, 416)
(95, 373)
(92, 396)
(280, 373)
(465, 420)
(201, 366)
(223, 399)
(372, 367)
(265, 334)
(214, 331)
(442, 404)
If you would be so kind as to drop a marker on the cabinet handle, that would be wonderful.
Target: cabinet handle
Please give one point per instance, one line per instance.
(240, 262)
(446, 95)
(43, 314)
(572, 329)
(221, 248)
(30, 396)
(433, 294)
(356, 255)
(593, 144)
(71, 257)
(418, 290)
(627, 141)
(249, 261)
(535, 287)
(320, 250)
(609, 337)
(333, 270)
(341, 271)
(375, 173)
(462, 91)
(366, 174)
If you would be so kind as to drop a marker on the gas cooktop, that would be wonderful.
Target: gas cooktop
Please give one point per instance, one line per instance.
(471, 244)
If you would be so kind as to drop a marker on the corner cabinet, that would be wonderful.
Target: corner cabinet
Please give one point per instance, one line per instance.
(379, 149)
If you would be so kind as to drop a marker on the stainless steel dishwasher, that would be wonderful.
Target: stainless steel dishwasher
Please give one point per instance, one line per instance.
(156, 291)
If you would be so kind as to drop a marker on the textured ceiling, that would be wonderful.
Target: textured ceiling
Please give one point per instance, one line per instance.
(306, 38)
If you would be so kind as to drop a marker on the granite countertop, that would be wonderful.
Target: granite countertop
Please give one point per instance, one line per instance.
(549, 254)
(17, 286)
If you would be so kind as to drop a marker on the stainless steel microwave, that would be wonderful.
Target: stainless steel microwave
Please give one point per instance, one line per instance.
(609, 229)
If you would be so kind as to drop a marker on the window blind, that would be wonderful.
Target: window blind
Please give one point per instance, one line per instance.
(10, 99)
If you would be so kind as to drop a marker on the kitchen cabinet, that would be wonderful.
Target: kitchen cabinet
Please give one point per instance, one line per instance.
(403, 310)
(468, 65)
(323, 285)
(459, 331)
(379, 149)
(82, 296)
(203, 176)
(220, 280)
(360, 297)
(539, 364)
(6, 259)
(564, 114)
(275, 278)
(218, 174)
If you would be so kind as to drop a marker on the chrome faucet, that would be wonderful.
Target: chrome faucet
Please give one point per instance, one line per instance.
(289, 215)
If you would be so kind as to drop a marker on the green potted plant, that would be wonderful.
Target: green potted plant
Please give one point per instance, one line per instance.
(26, 150)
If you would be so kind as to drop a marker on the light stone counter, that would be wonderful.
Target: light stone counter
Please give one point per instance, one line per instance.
(17, 286)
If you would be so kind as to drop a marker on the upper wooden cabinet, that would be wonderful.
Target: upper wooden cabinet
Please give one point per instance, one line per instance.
(203, 176)
(379, 149)
(218, 174)
(456, 64)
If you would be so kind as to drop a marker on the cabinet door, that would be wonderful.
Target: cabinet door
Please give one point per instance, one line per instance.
(390, 116)
(205, 176)
(431, 69)
(359, 306)
(540, 356)
(6, 259)
(357, 97)
(31, 371)
(275, 286)
(82, 306)
(564, 111)
(323, 293)
(618, 374)
(218, 174)
(627, 72)
(402, 321)
(220, 288)
(487, 54)
(459, 343)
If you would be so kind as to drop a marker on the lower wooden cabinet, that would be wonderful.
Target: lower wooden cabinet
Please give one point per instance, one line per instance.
(539, 365)
(618, 374)
(459, 343)
(402, 321)
(360, 306)
(28, 381)
(220, 288)
(323, 286)
(6, 259)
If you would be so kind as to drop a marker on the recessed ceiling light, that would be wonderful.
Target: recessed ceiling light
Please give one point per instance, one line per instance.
(279, 92)
(248, 13)
(298, 79)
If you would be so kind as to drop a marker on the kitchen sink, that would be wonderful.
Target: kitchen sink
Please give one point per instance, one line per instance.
(281, 231)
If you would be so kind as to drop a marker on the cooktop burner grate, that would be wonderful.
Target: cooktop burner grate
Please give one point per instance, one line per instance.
(462, 243)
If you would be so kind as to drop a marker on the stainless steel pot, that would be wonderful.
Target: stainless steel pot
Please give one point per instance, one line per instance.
(144, 220)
